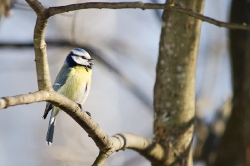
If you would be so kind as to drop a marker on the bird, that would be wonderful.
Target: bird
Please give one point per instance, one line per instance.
(72, 81)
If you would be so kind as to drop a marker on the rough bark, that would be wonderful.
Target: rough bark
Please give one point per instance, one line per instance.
(235, 144)
(174, 93)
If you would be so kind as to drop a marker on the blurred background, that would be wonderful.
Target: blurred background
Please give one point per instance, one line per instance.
(124, 44)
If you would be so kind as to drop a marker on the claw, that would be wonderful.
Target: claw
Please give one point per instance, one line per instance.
(88, 113)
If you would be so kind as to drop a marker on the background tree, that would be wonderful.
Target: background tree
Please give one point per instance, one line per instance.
(234, 147)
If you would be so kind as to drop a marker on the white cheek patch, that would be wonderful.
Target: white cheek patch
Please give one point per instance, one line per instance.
(80, 61)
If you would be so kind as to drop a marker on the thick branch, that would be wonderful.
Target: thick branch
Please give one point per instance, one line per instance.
(125, 5)
(23, 99)
(95, 132)
(102, 140)
(152, 151)
(147, 148)
(106, 144)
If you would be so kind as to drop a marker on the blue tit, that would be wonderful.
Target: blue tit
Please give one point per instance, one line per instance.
(73, 81)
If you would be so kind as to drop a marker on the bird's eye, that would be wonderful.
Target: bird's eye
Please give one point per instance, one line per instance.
(83, 57)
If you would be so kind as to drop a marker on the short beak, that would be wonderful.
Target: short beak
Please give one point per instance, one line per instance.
(90, 61)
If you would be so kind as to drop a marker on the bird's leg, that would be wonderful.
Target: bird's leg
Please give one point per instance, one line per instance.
(85, 111)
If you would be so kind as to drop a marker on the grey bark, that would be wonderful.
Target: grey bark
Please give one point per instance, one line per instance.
(174, 93)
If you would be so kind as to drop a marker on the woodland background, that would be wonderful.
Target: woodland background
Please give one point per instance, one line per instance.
(124, 44)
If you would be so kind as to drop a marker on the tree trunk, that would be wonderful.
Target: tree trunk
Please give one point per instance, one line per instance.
(235, 144)
(174, 91)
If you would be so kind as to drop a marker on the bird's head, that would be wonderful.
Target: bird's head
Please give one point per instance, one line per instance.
(79, 56)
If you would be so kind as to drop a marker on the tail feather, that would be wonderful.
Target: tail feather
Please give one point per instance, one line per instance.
(50, 133)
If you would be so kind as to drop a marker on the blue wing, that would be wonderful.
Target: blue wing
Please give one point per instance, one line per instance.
(60, 81)
(61, 77)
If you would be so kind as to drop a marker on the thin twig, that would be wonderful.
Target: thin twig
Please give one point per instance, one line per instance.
(134, 5)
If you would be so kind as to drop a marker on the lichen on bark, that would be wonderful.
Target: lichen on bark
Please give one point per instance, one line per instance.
(174, 93)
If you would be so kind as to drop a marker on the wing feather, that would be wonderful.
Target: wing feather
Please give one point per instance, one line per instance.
(47, 109)
(59, 82)
(61, 77)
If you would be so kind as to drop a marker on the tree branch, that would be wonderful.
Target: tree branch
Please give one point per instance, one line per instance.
(154, 152)
(133, 5)
(101, 158)
(36, 6)
(23, 99)
(106, 144)
(42, 67)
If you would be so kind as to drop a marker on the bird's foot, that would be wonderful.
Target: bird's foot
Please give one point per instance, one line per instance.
(88, 113)
(85, 111)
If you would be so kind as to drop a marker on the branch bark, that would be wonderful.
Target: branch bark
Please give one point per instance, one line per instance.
(42, 67)
(107, 145)
(174, 87)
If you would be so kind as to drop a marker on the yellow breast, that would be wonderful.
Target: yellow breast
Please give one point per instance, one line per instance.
(77, 84)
